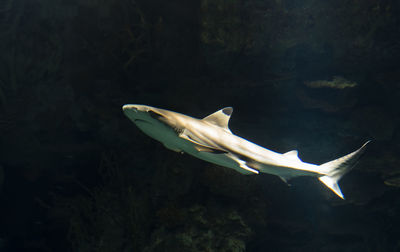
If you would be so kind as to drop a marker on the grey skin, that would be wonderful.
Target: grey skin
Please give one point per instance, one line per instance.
(211, 140)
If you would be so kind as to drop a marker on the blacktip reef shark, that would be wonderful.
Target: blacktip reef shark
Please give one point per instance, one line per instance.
(211, 140)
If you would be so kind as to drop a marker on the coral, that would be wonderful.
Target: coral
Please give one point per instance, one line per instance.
(224, 25)
(202, 229)
(31, 50)
(1, 177)
(379, 124)
(110, 217)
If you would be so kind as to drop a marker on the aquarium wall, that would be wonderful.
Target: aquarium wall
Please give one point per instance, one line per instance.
(76, 174)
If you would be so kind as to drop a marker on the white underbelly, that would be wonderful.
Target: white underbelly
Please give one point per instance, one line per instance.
(226, 161)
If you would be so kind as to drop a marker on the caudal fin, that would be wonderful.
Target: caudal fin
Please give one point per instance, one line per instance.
(337, 168)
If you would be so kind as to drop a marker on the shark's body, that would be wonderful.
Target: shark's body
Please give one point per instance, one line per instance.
(211, 140)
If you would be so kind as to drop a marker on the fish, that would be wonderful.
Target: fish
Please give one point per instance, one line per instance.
(211, 140)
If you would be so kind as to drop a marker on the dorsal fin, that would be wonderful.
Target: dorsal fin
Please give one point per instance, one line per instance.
(220, 118)
(292, 155)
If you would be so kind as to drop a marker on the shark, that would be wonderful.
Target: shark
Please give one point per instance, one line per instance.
(211, 140)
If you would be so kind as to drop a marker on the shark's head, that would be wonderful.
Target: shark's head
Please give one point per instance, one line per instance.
(139, 114)
(159, 124)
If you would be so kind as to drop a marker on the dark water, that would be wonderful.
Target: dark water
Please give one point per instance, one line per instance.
(317, 76)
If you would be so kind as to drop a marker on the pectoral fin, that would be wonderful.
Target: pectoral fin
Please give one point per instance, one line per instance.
(202, 147)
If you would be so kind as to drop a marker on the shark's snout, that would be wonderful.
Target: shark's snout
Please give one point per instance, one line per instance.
(132, 112)
(129, 107)
(137, 113)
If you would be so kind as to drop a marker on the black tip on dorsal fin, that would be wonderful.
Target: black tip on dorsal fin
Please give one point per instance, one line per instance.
(220, 118)
(227, 111)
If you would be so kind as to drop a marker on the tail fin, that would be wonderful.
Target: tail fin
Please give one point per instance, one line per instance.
(338, 168)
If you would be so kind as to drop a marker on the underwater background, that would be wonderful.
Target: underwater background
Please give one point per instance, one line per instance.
(321, 77)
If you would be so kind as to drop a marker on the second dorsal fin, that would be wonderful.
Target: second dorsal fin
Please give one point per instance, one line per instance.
(220, 118)
(292, 155)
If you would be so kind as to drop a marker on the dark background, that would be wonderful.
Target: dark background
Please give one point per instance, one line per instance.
(318, 76)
